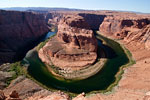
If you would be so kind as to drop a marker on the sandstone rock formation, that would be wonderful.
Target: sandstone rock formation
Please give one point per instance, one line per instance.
(13, 96)
(142, 36)
(76, 32)
(130, 28)
(93, 20)
(74, 46)
(120, 26)
(18, 33)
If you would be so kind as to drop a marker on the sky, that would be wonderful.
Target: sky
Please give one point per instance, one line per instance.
(123, 5)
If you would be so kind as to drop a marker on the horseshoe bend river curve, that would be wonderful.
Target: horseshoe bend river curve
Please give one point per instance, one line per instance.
(117, 58)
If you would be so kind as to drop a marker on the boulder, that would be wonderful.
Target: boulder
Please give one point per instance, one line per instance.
(14, 94)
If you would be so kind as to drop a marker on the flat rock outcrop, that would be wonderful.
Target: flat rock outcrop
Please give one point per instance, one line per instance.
(74, 45)
(18, 33)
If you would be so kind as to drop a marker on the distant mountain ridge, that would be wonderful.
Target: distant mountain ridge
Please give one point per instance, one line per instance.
(47, 9)
(41, 9)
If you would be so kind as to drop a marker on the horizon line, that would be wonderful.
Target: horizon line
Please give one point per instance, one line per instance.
(77, 9)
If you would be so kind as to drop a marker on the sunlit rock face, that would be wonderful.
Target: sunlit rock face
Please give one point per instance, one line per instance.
(76, 32)
(129, 28)
(120, 26)
(74, 45)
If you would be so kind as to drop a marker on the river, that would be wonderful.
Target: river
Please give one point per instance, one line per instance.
(116, 57)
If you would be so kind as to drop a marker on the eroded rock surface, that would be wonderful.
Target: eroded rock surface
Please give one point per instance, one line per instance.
(130, 28)
(74, 45)
(142, 36)
(120, 26)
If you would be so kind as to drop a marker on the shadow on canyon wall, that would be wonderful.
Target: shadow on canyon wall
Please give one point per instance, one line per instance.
(109, 52)
(19, 32)
(93, 20)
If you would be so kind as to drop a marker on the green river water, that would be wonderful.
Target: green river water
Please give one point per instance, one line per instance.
(99, 82)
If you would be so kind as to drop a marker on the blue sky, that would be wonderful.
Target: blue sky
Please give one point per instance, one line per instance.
(125, 5)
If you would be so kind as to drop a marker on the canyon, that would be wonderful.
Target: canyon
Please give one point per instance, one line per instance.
(75, 38)
(18, 33)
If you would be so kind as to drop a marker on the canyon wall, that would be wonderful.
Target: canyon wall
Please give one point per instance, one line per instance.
(53, 17)
(94, 20)
(18, 33)
(119, 26)
(129, 28)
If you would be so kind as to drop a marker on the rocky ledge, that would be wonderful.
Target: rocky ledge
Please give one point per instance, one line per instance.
(74, 46)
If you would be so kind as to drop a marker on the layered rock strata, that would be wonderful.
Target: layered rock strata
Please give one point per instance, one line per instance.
(18, 33)
(74, 46)
(130, 28)
(120, 26)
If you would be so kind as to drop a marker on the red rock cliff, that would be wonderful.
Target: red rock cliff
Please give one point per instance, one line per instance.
(18, 31)
(120, 26)
(127, 27)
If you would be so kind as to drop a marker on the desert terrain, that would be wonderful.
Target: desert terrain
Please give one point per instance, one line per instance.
(130, 29)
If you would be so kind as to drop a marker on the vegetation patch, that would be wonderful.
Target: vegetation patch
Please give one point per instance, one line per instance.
(43, 43)
(18, 69)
